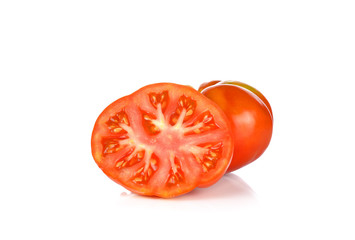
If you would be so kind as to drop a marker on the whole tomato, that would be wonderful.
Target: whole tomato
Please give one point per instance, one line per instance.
(250, 115)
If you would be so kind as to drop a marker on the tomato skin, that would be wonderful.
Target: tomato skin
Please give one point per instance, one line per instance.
(250, 115)
(208, 84)
(241, 84)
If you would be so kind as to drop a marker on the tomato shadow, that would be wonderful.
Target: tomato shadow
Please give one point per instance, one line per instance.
(229, 188)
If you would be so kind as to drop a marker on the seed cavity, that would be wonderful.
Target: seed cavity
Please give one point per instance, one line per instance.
(176, 175)
(132, 157)
(209, 160)
(112, 146)
(143, 174)
(206, 154)
(183, 112)
(203, 123)
(161, 99)
(155, 122)
(114, 122)
(150, 123)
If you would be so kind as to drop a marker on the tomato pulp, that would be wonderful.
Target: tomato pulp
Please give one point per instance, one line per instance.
(163, 140)
(250, 115)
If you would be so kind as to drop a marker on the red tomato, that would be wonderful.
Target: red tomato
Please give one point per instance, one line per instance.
(251, 117)
(163, 140)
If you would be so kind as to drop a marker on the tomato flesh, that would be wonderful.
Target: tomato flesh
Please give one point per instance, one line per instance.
(163, 140)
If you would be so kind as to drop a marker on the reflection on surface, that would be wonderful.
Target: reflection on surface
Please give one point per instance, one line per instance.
(230, 189)
(230, 186)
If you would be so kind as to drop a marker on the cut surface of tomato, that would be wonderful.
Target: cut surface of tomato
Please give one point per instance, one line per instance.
(163, 140)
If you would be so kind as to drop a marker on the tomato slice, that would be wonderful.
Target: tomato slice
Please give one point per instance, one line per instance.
(163, 140)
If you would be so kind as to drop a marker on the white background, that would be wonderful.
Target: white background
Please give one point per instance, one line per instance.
(63, 62)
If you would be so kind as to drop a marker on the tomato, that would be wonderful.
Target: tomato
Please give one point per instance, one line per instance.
(250, 115)
(163, 140)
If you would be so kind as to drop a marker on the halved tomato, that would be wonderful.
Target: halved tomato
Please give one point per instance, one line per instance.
(163, 140)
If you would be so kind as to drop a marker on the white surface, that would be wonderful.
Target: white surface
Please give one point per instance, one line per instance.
(62, 62)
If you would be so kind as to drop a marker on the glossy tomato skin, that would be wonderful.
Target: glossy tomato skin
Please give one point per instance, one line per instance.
(241, 84)
(208, 84)
(163, 140)
(250, 115)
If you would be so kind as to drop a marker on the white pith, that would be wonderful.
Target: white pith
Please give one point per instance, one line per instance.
(160, 122)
